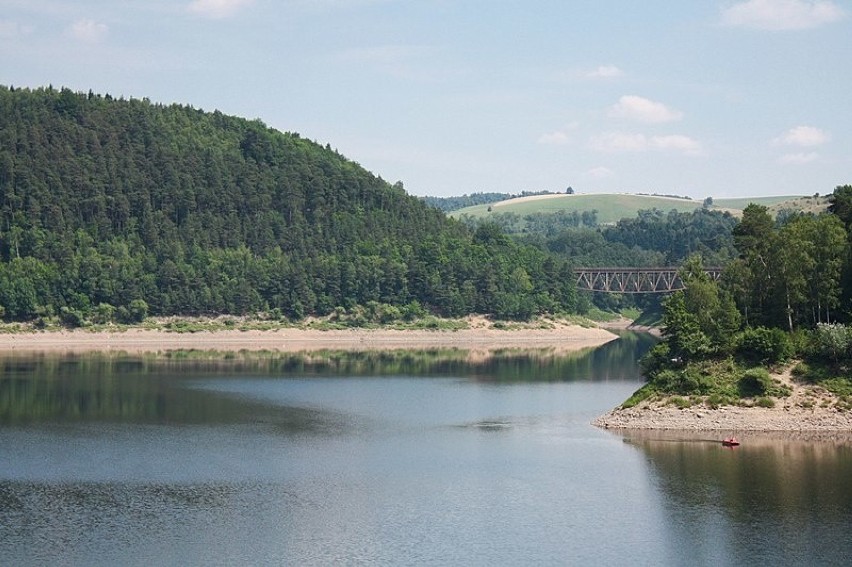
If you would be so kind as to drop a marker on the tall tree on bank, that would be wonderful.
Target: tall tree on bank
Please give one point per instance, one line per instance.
(753, 238)
(840, 205)
(788, 275)
(701, 320)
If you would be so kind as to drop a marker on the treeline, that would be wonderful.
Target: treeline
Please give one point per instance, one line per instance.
(450, 204)
(546, 224)
(653, 238)
(116, 208)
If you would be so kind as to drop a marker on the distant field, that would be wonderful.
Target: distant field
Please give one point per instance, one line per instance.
(613, 207)
(743, 202)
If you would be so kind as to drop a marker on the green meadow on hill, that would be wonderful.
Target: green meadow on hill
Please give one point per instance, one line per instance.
(612, 207)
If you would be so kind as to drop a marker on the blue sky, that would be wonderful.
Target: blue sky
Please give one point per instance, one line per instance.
(718, 98)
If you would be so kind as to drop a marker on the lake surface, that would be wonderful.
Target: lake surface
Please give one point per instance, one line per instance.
(418, 458)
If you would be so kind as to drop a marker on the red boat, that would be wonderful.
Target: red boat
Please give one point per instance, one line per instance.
(730, 441)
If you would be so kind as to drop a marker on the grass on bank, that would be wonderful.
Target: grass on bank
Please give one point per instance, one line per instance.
(378, 317)
(829, 376)
(713, 384)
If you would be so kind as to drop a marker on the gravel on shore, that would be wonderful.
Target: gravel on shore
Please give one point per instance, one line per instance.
(559, 337)
(808, 408)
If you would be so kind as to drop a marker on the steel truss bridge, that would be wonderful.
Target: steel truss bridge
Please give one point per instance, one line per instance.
(634, 280)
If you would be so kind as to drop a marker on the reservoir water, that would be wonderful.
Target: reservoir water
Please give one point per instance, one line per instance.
(395, 458)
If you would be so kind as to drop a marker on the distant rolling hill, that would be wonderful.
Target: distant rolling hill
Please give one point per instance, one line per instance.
(613, 207)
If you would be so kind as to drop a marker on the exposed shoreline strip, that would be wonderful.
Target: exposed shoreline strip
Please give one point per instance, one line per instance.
(292, 340)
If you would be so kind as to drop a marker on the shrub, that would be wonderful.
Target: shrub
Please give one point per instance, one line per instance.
(137, 310)
(833, 340)
(715, 400)
(765, 402)
(71, 318)
(413, 311)
(104, 313)
(754, 382)
(656, 359)
(766, 346)
(686, 381)
(804, 343)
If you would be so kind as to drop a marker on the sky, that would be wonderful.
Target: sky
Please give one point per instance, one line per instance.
(701, 98)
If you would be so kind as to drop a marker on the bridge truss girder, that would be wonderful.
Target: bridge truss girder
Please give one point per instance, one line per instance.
(634, 280)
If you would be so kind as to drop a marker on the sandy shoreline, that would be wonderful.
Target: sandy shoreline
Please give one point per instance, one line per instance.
(808, 409)
(564, 337)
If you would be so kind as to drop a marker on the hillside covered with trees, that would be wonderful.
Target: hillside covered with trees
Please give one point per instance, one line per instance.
(113, 209)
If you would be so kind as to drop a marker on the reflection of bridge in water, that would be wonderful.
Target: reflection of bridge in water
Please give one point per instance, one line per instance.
(634, 280)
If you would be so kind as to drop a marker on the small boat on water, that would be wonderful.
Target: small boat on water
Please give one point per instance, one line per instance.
(730, 441)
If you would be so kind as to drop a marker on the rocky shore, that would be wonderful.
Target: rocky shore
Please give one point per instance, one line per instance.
(808, 409)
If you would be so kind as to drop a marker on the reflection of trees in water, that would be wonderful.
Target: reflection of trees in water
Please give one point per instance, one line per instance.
(70, 388)
(767, 502)
(118, 387)
(616, 360)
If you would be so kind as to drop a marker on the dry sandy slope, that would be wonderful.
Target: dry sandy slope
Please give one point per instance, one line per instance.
(806, 409)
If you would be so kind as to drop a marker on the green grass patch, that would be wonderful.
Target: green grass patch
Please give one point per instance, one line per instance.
(610, 207)
(601, 316)
(680, 402)
(835, 379)
(631, 313)
(613, 207)
(644, 393)
(649, 318)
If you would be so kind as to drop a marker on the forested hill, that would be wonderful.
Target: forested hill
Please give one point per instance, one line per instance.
(121, 205)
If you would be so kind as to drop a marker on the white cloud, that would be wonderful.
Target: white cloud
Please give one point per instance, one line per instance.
(10, 29)
(600, 172)
(217, 9)
(605, 72)
(619, 142)
(644, 110)
(676, 142)
(88, 31)
(556, 138)
(799, 159)
(802, 136)
(613, 142)
(781, 15)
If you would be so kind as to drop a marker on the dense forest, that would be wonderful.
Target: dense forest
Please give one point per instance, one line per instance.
(652, 238)
(114, 209)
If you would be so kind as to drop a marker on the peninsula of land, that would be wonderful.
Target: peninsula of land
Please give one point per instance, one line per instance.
(808, 408)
